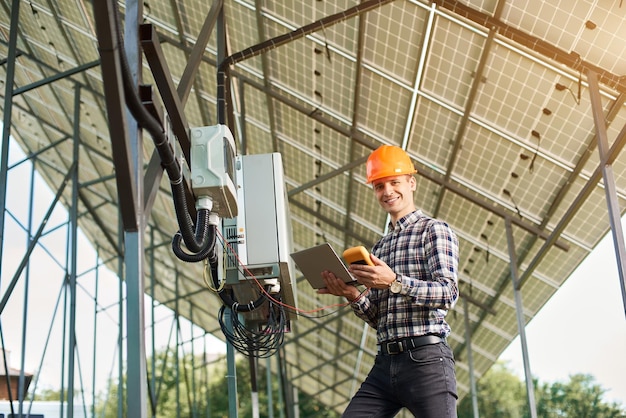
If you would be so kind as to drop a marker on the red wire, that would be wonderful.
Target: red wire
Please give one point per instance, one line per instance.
(260, 286)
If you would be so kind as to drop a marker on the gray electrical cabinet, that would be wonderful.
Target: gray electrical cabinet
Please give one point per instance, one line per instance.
(261, 233)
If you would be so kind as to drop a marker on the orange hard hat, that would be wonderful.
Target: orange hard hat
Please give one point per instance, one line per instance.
(388, 160)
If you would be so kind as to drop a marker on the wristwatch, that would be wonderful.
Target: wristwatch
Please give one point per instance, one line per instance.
(395, 286)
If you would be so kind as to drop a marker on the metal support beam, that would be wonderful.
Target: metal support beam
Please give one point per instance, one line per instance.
(154, 171)
(268, 384)
(470, 358)
(265, 67)
(105, 12)
(73, 267)
(163, 78)
(320, 24)
(521, 323)
(6, 120)
(469, 104)
(21, 386)
(56, 77)
(136, 380)
(231, 375)
(195, 58)
(609, 182)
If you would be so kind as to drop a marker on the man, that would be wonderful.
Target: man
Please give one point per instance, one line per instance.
(410, 289)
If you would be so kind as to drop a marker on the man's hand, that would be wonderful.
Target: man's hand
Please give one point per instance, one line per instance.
(336, 286)
(378, 276)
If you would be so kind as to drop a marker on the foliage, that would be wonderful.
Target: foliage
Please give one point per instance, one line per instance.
(200, 389)
(49, 394)
(501, 393)
(580, 397)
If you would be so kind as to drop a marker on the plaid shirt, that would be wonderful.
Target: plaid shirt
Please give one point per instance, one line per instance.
(424, 252)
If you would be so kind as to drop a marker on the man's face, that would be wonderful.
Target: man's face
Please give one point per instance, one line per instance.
(395, 194)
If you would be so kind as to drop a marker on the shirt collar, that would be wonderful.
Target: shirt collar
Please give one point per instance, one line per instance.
(408, 219)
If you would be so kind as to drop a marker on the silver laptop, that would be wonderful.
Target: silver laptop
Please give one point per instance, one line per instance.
(313, 261)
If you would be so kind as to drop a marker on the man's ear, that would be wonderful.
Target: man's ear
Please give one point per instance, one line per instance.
(413, 183)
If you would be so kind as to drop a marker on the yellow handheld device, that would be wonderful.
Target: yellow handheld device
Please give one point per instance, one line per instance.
(357, 255)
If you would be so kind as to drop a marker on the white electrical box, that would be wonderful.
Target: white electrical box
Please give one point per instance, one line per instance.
(261, 233)
(213, 168)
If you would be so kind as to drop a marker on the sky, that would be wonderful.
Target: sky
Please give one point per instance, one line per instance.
(582, 329)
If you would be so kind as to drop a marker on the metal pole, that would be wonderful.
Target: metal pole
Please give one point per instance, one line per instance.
(6, 120)
(281, 398)
(470, 358)
(194, 390)
(206, 377)
(120, 336)
(134, 239)
(270, 400)
(95, 333)
(74, 255)
(521, 324)
(178, 342)
(21, 379)
(609, 182)
(63, 395)
(254, 392)
(231, 375)
(153, 369)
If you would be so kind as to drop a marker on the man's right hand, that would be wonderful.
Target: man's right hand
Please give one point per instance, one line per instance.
(336, 286)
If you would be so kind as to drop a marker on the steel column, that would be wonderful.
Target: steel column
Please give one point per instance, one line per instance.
(21, 395)
(231, 374)
(73, 266)
(120, 335)
(609, 181)
(268, 377)
(521, 323)
(95, 333)
(470, 357)
(281, 387)
(136, 378)
(153, 369)
(6, 120)
(105, 12)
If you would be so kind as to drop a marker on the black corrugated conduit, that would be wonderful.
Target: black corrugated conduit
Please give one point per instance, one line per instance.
(199, 239)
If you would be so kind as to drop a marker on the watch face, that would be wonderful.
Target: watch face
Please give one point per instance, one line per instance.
(395, 287)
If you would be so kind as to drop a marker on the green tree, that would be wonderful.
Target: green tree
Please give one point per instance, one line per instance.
(502, 394)
(580, 397)
(201, 391)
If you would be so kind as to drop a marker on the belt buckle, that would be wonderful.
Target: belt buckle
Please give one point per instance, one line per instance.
(394, 347)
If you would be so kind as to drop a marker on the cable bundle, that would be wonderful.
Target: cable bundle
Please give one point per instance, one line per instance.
(262, 342)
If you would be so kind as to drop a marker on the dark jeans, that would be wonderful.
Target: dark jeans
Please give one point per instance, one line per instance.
(421, 380)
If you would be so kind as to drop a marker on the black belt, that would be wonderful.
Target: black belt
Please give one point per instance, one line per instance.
(407, 344)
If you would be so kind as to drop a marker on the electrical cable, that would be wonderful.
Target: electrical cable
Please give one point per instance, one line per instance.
(293, 309)
(197, 239)
(260, 343)
(206, 276)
